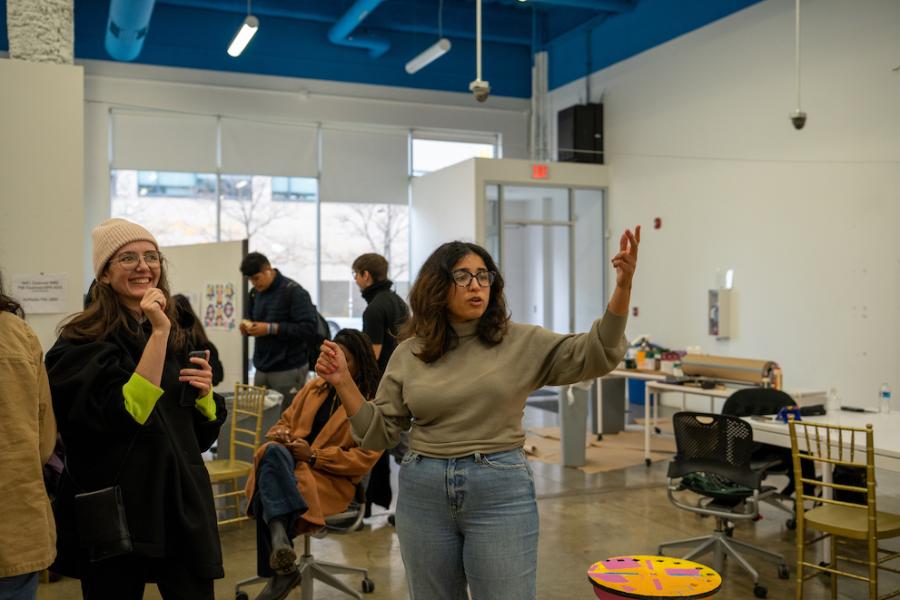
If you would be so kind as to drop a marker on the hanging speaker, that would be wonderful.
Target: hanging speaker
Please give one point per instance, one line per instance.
(580, 133)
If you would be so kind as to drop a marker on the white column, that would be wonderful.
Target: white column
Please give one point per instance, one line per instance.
(41, 30)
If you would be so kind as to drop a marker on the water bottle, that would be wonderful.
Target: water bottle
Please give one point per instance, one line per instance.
(885, 398)
(833, 404)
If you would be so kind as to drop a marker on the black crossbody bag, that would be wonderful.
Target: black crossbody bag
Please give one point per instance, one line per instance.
(100, 518)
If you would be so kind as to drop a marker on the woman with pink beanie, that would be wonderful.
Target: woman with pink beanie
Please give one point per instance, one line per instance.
(134, 412)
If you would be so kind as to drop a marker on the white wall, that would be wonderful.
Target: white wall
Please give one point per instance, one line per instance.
(442, 209)
(41, 167)
(697, 133)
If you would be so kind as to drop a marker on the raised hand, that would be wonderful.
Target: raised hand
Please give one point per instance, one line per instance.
(625, 261)
(332, 364)
(153, 305)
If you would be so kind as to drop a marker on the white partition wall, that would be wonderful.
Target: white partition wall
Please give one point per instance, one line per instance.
(443, 209)
(195, 271)
(42, 170)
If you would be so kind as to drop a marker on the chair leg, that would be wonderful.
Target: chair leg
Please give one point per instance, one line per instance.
(740, 558)
(330, 580)
(834, 565)
(873, 567)
(342, 569)
(701, 549)
(801, 556)
(684, 542)
(236, 499)
(770, 555)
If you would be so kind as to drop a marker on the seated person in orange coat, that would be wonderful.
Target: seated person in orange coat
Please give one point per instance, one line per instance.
(309, 468)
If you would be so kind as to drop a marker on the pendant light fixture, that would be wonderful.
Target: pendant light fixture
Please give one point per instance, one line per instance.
(433, 52)
(798, 117)
(243, 36)
(480, 88)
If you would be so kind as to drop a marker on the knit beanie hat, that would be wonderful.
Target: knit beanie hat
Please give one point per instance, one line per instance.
(112, 234)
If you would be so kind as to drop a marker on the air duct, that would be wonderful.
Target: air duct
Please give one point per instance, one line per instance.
(341, 32)
(126, 27)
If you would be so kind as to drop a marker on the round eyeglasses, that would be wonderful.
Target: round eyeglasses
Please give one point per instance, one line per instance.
(130, 260)
(463, 278)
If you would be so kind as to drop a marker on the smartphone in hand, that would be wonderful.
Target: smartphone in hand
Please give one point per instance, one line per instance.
(189, 393)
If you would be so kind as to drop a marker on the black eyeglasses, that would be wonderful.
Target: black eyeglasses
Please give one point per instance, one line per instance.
(463, 278)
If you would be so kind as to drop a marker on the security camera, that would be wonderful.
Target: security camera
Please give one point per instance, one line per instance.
(481, 89)
(798, 118)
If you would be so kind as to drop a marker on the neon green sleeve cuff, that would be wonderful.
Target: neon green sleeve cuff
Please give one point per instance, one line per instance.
(207, 406)
(140, 397)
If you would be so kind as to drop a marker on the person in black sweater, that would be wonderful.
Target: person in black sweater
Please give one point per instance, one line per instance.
(190, 322)
(135, 411)
(385, 313)
(281, 316)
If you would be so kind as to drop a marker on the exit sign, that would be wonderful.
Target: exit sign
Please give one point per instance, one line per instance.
(540, 171)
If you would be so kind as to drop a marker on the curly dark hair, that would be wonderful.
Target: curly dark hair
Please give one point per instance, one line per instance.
(8, 304)
(360, 346)
(428, 302)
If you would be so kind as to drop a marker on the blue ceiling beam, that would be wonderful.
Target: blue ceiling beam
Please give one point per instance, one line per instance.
(341, 33)
(126, 27)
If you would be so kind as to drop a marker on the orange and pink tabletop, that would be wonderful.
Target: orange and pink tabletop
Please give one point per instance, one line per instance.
(652, 577)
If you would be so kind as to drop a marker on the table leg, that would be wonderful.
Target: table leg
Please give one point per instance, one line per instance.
(647, 425)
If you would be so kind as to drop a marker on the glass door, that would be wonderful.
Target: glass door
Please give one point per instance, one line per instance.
(548, 242)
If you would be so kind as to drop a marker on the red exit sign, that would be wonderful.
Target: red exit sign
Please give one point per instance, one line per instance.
(540, 171)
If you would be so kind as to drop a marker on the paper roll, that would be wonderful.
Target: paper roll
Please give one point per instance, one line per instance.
(726, 368)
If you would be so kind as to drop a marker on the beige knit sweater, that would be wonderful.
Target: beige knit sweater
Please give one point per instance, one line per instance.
(472, 399)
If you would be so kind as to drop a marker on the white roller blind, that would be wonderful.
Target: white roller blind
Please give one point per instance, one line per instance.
(364, 167)
(151, 141)
(252, 148)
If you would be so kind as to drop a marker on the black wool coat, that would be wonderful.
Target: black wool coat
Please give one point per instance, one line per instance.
(165, 485)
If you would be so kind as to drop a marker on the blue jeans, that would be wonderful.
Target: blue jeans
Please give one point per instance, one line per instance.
(470, 520)
(19, 587)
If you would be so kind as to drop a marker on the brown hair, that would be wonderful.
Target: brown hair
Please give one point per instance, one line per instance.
(7, 304)
(105, 315)
(428, 303)
(375, 264)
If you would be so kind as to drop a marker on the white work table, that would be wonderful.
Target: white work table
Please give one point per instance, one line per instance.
(884, 428)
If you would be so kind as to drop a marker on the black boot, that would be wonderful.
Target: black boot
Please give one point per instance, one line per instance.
(280, 586)
(283, 557)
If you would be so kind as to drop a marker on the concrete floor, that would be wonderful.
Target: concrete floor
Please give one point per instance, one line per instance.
(584, 518)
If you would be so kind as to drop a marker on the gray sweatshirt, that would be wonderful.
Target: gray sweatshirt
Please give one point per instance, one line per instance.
(472, 399)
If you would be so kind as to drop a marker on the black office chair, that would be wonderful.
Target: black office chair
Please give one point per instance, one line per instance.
(754, 401)
(713, 460)
(311, 569)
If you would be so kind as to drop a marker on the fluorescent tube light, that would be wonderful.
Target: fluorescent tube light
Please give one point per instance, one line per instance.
(243, 36)
(428, 56)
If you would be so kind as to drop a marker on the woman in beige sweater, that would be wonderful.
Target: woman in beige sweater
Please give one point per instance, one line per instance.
(27, 438)
(466, 512)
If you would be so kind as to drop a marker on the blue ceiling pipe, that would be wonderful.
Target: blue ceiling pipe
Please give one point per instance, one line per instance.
(126, 27)
(598, 5)
(341, 32)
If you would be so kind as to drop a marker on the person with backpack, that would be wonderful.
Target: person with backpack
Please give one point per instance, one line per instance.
(282, 318)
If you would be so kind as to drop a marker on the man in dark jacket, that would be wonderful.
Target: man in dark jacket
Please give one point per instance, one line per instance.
(384, 315)
(282, 318)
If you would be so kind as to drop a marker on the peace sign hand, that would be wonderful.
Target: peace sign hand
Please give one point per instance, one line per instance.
(625, 261)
